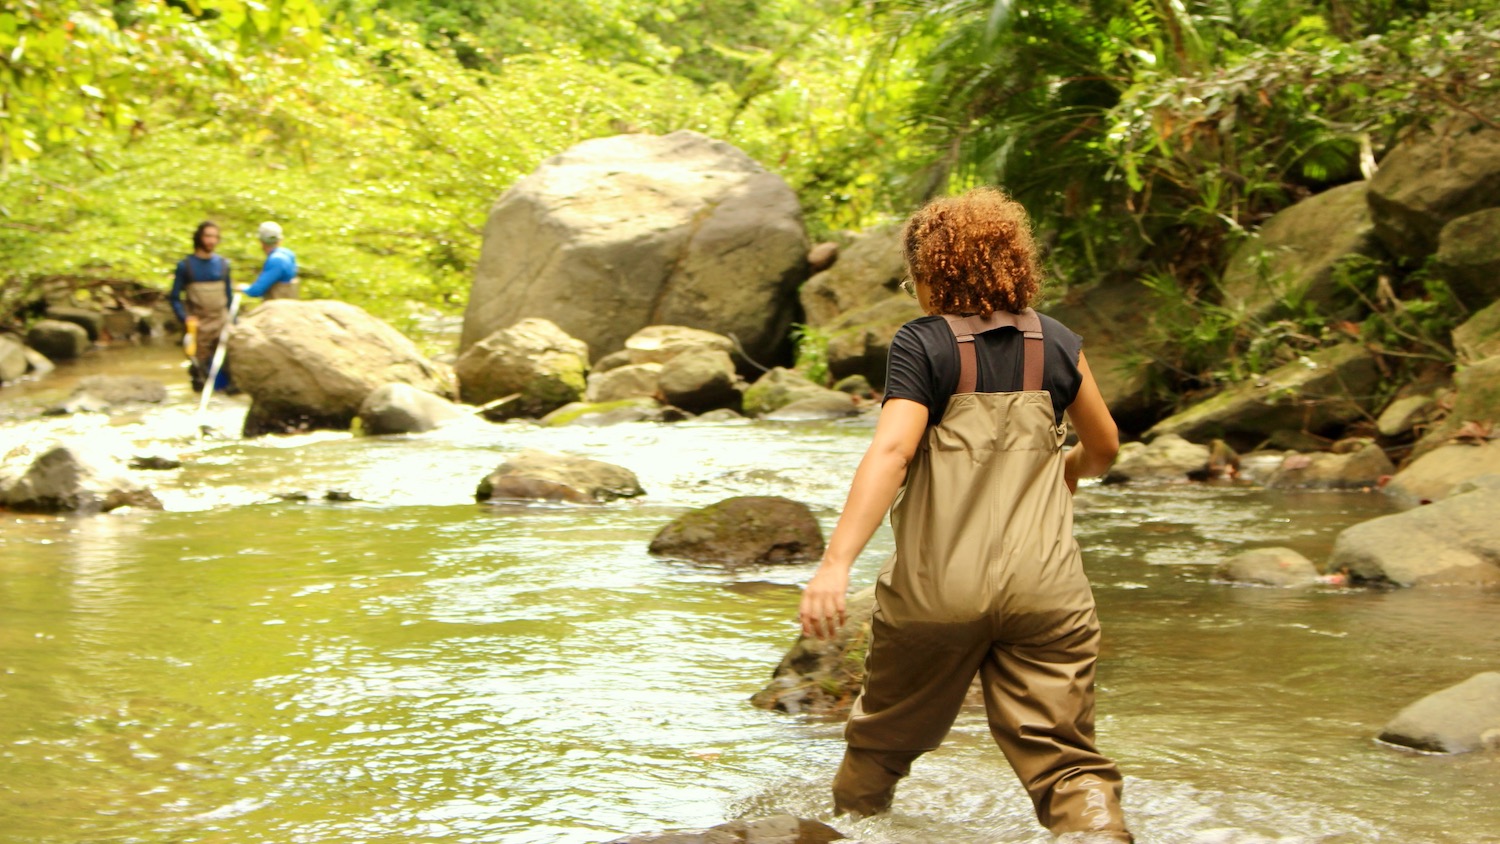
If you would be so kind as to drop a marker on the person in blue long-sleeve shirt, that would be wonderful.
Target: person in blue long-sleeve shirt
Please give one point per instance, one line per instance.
(278, 276)
(201, 293)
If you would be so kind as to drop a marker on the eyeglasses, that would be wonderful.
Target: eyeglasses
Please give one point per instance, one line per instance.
(909, 287)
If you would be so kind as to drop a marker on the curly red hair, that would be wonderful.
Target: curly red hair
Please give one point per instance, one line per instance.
(974, 253)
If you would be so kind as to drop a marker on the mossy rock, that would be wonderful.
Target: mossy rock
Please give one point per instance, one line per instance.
(747, 530)
(603, 413)
(778, 388)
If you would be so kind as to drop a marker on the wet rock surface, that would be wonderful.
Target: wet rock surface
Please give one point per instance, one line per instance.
(404, 409)
(68, 477)
(1454, 542)
(1281, 567)
(823, 676)
(539, 476)
(1459, 719)
(103, 393)
(747, 530)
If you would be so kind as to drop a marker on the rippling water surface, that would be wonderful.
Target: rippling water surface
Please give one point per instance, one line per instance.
(415, 667)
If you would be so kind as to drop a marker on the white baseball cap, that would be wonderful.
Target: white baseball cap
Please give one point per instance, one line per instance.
(270, 233)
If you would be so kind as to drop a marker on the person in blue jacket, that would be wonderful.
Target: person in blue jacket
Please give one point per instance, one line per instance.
(201, 293)
(278, 276)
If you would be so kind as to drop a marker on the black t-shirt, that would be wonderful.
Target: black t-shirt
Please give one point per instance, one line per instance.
(924, 364)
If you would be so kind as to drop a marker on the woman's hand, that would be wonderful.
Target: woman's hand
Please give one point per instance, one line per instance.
(822, 611)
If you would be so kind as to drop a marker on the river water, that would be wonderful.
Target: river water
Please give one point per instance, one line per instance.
(413, 667)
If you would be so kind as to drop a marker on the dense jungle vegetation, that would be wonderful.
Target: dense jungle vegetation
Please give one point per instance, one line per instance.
(1144, 135)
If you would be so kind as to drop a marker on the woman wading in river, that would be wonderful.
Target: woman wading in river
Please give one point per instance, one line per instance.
(986, 578)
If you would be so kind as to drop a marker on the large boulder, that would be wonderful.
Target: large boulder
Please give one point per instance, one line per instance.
(777, 829)
(823, 676)
(1458, 719)
(68, 477)
(539, 476)
(859, 342)
(1167, 458)
(699, 381)
(1292, 259)
(1431, 179)
(1436, 474)
(13, 363)
(624, 232)
(1360, 468)
(311, 364)
(748, 530)
(869, 269)
(1318, 393)
(780, 387)
(1281, 567)
(103, 393)
(58, 340)
(404, 409)
(1468, 257)
(1479, 336)
(533, 359)
(1115, 324)
(1475, 411)
(1455, 541)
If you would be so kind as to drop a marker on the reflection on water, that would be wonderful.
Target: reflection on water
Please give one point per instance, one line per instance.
(414, 667)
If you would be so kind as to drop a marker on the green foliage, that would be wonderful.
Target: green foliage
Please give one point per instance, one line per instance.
(811, 352)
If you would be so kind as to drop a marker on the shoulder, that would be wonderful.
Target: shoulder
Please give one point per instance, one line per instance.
(921, 332)
(1056, 332)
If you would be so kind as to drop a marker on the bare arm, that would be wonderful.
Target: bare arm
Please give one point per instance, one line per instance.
(1098, 438)
(881, 473)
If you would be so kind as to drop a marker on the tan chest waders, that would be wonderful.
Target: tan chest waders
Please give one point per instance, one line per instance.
(207, 301)
(987, 579)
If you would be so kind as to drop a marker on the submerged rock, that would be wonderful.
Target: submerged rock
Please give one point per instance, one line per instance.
(823, 676)
(1268, 567)
(778, 829)
(103, 393)
(539, 476)
(533, 360)
(404, 409)
(1453, 542)
(747, 530)
(1458, 719)
(64, 477)
(1363, 468)
(1167, 458)
(311, 364)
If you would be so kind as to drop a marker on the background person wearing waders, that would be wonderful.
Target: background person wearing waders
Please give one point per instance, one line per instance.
(278, 276)
(200, 297)
(986, 578)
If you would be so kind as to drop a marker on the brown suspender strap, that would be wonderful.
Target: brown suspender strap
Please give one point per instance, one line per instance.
(1027, 322)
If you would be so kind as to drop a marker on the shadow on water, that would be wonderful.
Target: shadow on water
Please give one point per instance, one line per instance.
(415, 667)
